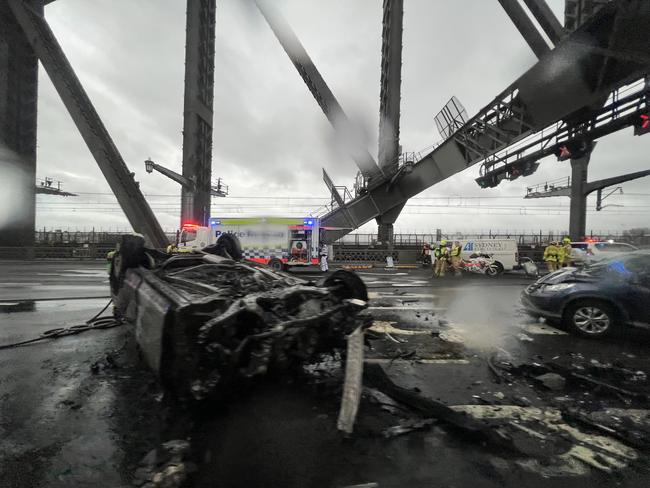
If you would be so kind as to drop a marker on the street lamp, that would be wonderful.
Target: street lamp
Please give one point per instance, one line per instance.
(148, 165)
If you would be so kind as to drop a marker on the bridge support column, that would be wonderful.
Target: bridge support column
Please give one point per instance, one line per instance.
(18, 108)
(578, 209)
(385, 225)
(198, 111)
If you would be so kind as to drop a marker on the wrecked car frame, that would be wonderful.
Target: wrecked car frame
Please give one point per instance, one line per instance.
(206, 323)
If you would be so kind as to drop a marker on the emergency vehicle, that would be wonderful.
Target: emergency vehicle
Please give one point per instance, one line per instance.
(279, 242)
(503, 252)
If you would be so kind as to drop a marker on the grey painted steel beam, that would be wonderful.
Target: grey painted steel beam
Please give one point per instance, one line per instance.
(317, 86)
(578, 205)
(540, 97)
(547, 19)
(389, 103)
(615, 180)
(185, 183)
(555, 192)
(525, 27)
(198, 111)
(85, 117)
(391, 80)
(18, 119)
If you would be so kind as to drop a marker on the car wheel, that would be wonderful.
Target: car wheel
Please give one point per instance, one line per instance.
(590, 318)
(276, 265)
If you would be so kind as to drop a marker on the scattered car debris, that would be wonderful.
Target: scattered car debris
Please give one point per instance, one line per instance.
(525, 338)
(552, 381)
(407, 427)
(165, 467)
(353, 382)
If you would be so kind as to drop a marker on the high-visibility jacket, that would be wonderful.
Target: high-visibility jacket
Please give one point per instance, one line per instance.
(567, 253)
(551, 253)
(441, 252)
(455, 251)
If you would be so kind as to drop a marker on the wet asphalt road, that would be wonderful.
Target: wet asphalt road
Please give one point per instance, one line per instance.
(63, 425)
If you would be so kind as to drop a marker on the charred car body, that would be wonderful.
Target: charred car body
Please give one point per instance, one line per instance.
(207, 321)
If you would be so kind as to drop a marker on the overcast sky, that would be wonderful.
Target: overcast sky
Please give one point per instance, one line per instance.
(270, 137)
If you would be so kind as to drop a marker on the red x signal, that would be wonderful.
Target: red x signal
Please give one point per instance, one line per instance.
(642, 125)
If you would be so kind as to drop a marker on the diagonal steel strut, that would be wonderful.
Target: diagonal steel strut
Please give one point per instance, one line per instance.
(87, 120)
(525, 27)
(316, 84)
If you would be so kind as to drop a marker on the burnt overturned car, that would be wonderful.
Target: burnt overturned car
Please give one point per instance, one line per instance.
(208, 321)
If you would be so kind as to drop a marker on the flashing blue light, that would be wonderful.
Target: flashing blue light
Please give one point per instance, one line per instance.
(215, 222)
(309, 222)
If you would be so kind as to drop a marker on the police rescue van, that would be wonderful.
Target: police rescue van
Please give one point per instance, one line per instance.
(502, 251)
(277, 241)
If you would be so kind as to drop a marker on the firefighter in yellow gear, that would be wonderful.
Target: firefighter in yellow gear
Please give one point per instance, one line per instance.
(109, 259)
(454, 256)
(441, 253)
(564, 258)
(551, 255)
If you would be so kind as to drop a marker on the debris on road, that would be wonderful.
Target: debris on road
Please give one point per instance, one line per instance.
(165, 467)
(552, 381)
(406, 427)
(524, 338)
(352, 385)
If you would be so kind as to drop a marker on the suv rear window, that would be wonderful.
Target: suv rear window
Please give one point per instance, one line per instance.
(579, 245)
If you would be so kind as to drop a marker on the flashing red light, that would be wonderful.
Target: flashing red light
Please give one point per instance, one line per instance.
(564, 153)
(190, 225)
(642, 126)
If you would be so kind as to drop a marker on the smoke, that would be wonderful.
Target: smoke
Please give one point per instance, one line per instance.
(482, 314)
(16, 189)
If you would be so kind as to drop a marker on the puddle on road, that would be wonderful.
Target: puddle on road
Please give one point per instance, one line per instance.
(63, 306)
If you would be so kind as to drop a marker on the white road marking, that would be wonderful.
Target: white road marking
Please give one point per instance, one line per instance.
(412, 283)
(406, 295)
(8, 284)
(406, 307)
(416, 361)
(387, 327)
(541, 329)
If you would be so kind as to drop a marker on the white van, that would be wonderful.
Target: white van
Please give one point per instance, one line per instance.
(503, 251)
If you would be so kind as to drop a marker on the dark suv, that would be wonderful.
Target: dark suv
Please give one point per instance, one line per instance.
(595, 300)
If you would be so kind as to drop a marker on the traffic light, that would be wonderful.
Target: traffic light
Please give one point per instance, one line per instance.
(487, 181)
(572, 150)
(642, 125)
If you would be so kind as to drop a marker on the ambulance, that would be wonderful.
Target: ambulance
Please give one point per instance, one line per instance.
(280, 242)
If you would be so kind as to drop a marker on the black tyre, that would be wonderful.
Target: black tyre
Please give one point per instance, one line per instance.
(590, 318)
(492, 270)
(227, 246)
(349, 284)
(276, 265)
